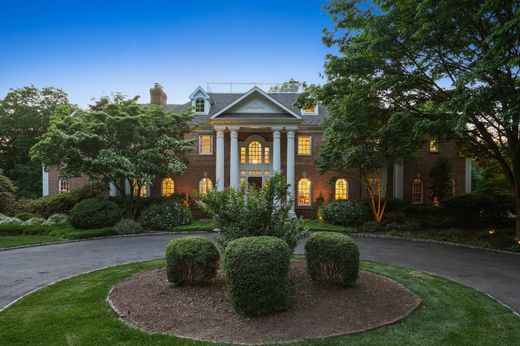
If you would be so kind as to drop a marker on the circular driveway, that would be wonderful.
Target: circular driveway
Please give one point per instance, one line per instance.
(26, 269)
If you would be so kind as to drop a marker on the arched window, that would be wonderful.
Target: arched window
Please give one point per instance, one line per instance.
(417, 190)
(168, 187)
(200, 105)
(304, 191)
(255, 152)
(63, 186)
(140, 191)
(205, 185)
(453, 187)
(341, 189)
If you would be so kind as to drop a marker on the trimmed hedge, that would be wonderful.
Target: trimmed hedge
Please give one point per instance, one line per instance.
(165, 216)
(489, 209)
(128, 226)
(256, 270)
(24, 216)
(345, 213)
(191, 261)
(94, 213)
(332, 258)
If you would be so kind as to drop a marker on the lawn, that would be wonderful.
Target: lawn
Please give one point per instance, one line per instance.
(317, 226)
(74, 311)
(12, 241)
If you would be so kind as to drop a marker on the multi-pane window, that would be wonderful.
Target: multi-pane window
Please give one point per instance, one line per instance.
(200, 105)
(243, 155)
(304, 145)
(205, 144)
(434, 147)
(255, 152)
(205, 185)
(267, 155)
(304, 192)
(63, 185)
(417, 191)
(310, 109)
(341, 189)
(140, 188)
(168, 187)
(453, 187)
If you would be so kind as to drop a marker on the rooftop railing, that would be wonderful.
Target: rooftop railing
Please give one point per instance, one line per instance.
(237, 88)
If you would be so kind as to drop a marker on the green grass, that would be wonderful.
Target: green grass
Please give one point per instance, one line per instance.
(74, 311)
(12, 241)
(202, 225)
(316, 226)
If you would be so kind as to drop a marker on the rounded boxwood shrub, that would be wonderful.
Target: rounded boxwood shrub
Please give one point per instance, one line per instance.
(332, 258)
(165, 216)
(94, 213)
(345, 213)
(128, 226)
(191, 261)
(57, 219)
(256, 270)
(24, 216)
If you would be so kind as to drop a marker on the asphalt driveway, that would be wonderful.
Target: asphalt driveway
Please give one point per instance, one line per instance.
(23, 270)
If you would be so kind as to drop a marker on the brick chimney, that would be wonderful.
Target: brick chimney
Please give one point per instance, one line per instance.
(157, 95)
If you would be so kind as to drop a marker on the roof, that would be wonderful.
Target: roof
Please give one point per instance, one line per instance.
(221, 100)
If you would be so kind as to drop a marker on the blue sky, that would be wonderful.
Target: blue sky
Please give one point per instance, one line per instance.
(92, 48)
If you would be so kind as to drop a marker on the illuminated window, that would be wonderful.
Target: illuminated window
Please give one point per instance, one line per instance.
(267, 172)
(304, 192)
(206, 144)
(243, 172)
(341, 189)
(168, 187)
(255, 172)
(255, 152)
(139, 191)
(243, 155)
(453, 187)
(63, 185)
(434, 147)
(267, 158)
(304, 145)
(205, 185)
(417, 191)
(200, 105)
(311, 109)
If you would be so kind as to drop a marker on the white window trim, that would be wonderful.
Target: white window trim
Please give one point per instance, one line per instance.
(346, 189)
(298, 194)
(200, 144)
(60, 182)
(298, 144)
(422, 192)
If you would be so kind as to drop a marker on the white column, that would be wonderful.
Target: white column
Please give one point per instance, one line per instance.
(45, 181)
(233, 164)
(219, 176)
(113, 190)
(290, 166)
(467, 176)
(398, 181)
(277, 157)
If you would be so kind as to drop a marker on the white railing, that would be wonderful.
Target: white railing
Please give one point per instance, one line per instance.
(237, 88)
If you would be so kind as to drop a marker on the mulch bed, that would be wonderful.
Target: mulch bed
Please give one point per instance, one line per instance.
(148, 301)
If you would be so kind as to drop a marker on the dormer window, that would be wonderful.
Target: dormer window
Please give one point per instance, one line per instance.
(312, 110)
(200, 105)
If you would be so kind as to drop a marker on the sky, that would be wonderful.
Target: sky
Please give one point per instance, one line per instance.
(92, 48)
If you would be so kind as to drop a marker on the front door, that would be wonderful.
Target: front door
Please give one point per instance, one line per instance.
(255, 181)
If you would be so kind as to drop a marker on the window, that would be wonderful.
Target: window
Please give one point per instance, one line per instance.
(417, 191)
(304, 145)
(304, 192)
(140, 191)
(255, 152)
(434, 147)
(63, 186)
(168, 187)
(341, 189)
(243, 155)
(311, 109)
(453, 187)
(205, 144)
(267, 157)
(200, 105)
(205, 185)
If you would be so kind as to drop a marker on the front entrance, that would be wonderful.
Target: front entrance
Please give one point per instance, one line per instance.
(255, 181)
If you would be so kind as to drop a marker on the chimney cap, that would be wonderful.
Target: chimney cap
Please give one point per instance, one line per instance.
(157, 85)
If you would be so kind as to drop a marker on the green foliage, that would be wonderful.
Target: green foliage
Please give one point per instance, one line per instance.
(332, 258)
(34, 221)
(165, 216)
(440, 176)
(317, 226)
(56, 219)
(117, 140)
(24, 216)
(197, 226)
(128, 226)
(191, 261)
(73, 234)
(345, 213)
(24, 116)
(291, 86)
(94, 213)
(7, 220)
(249, 211)
(256, 270)
(7, 190)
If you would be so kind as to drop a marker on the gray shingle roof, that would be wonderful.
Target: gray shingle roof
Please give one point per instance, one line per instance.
(221, 100)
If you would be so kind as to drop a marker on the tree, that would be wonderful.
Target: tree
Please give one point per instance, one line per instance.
(440, 178)
(116, 141)
(451, 66)
(24, 116)
(7, 190)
